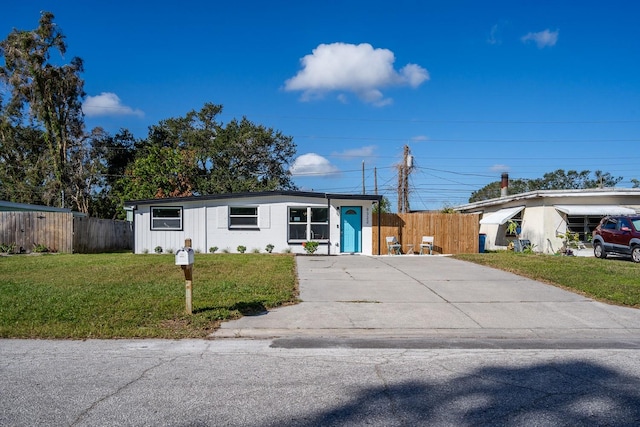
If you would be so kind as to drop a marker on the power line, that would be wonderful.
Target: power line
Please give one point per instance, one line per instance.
(431, 121)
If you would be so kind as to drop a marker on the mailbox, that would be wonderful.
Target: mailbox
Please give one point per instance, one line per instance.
(184, 256)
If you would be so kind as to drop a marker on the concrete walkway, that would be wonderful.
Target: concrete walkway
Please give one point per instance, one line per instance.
(432, 297)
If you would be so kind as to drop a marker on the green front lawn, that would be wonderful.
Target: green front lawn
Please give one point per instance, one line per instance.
(125, 295)
(614, 280)
(130, 296)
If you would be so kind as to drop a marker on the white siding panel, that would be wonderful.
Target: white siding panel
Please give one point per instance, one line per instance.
(264, 216)
(223, 216)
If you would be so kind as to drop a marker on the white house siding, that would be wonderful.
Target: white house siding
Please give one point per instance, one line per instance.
(193, 223)
(206, 223)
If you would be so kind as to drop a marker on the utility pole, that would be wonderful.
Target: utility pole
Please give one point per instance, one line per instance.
(363, 189)
(400, 190)
(404, 169)
(375, 181)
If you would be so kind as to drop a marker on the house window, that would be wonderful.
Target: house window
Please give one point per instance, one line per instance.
(306, 223)
(166, 218)
(583, 225)
(517, 219)
(243, 217)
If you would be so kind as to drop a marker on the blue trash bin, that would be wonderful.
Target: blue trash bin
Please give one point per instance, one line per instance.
(482, 240)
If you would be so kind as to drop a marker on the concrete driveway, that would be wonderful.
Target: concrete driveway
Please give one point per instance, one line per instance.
(433, 297)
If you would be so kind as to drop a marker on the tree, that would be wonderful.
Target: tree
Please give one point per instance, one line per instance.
(248, 157)
(556, 180)
(383, 207)
(197, 155)
(163, 172)
(492, 190)
(116, 154)
(23, 162)
(46, 96)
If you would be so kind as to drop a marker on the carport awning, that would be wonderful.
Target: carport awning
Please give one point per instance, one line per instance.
(594, 210)
(501, 216)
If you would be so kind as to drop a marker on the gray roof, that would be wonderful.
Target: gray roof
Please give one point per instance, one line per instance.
(312, 194)
(13, 207)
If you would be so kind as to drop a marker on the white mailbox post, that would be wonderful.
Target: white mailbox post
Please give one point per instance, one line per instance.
(185, 258)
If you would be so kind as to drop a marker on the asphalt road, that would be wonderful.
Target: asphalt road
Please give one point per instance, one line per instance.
(257, 383)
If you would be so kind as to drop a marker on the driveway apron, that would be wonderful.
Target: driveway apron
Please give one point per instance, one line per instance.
(434, 297)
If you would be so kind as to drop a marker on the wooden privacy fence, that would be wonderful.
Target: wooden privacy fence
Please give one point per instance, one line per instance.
(61, 232)
(94, 235)
(453, 233)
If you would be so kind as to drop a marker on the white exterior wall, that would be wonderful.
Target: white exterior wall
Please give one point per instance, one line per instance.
(193, 227)
(206, 223)
(541, 225)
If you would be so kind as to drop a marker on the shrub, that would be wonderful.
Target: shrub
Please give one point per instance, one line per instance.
(269, 248)
(242, 249)
(7, 248)
(255, 250)
(311, 247)
(158, 249)
(213, 249)
(40, 248)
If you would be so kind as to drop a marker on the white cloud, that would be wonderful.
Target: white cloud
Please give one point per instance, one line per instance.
(420, 138)
(494, 35)
(500, 168)
(107, 104)
(312, 164)
(359, 69)
(358, 152)
(543, 38)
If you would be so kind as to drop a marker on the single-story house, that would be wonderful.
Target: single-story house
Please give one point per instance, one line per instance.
(341, 223)
(545, 215)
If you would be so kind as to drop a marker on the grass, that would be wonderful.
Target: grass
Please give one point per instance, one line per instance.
(615, 280)
(135, 296)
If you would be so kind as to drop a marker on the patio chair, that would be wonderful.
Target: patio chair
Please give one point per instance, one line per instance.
(393, 247)
(426, 245)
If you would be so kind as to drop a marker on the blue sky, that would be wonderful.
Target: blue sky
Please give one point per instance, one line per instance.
(473, 88)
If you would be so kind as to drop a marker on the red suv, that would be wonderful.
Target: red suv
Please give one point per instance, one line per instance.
(618, 234)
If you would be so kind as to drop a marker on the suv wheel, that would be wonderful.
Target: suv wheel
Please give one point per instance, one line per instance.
(635, 254)
(599, 251)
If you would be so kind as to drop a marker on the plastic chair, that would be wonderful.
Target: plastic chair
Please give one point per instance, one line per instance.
(393, 247)
(426, 244)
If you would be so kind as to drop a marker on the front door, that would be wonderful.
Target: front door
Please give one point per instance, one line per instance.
(350, 229)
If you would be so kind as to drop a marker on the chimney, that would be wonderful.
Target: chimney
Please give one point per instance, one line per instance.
(504, 185)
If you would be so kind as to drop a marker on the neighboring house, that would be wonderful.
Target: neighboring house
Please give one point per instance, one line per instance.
(341, 223)
(545, 214)
(6, 206)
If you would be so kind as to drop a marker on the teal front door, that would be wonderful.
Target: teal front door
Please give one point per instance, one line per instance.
(350, 229)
